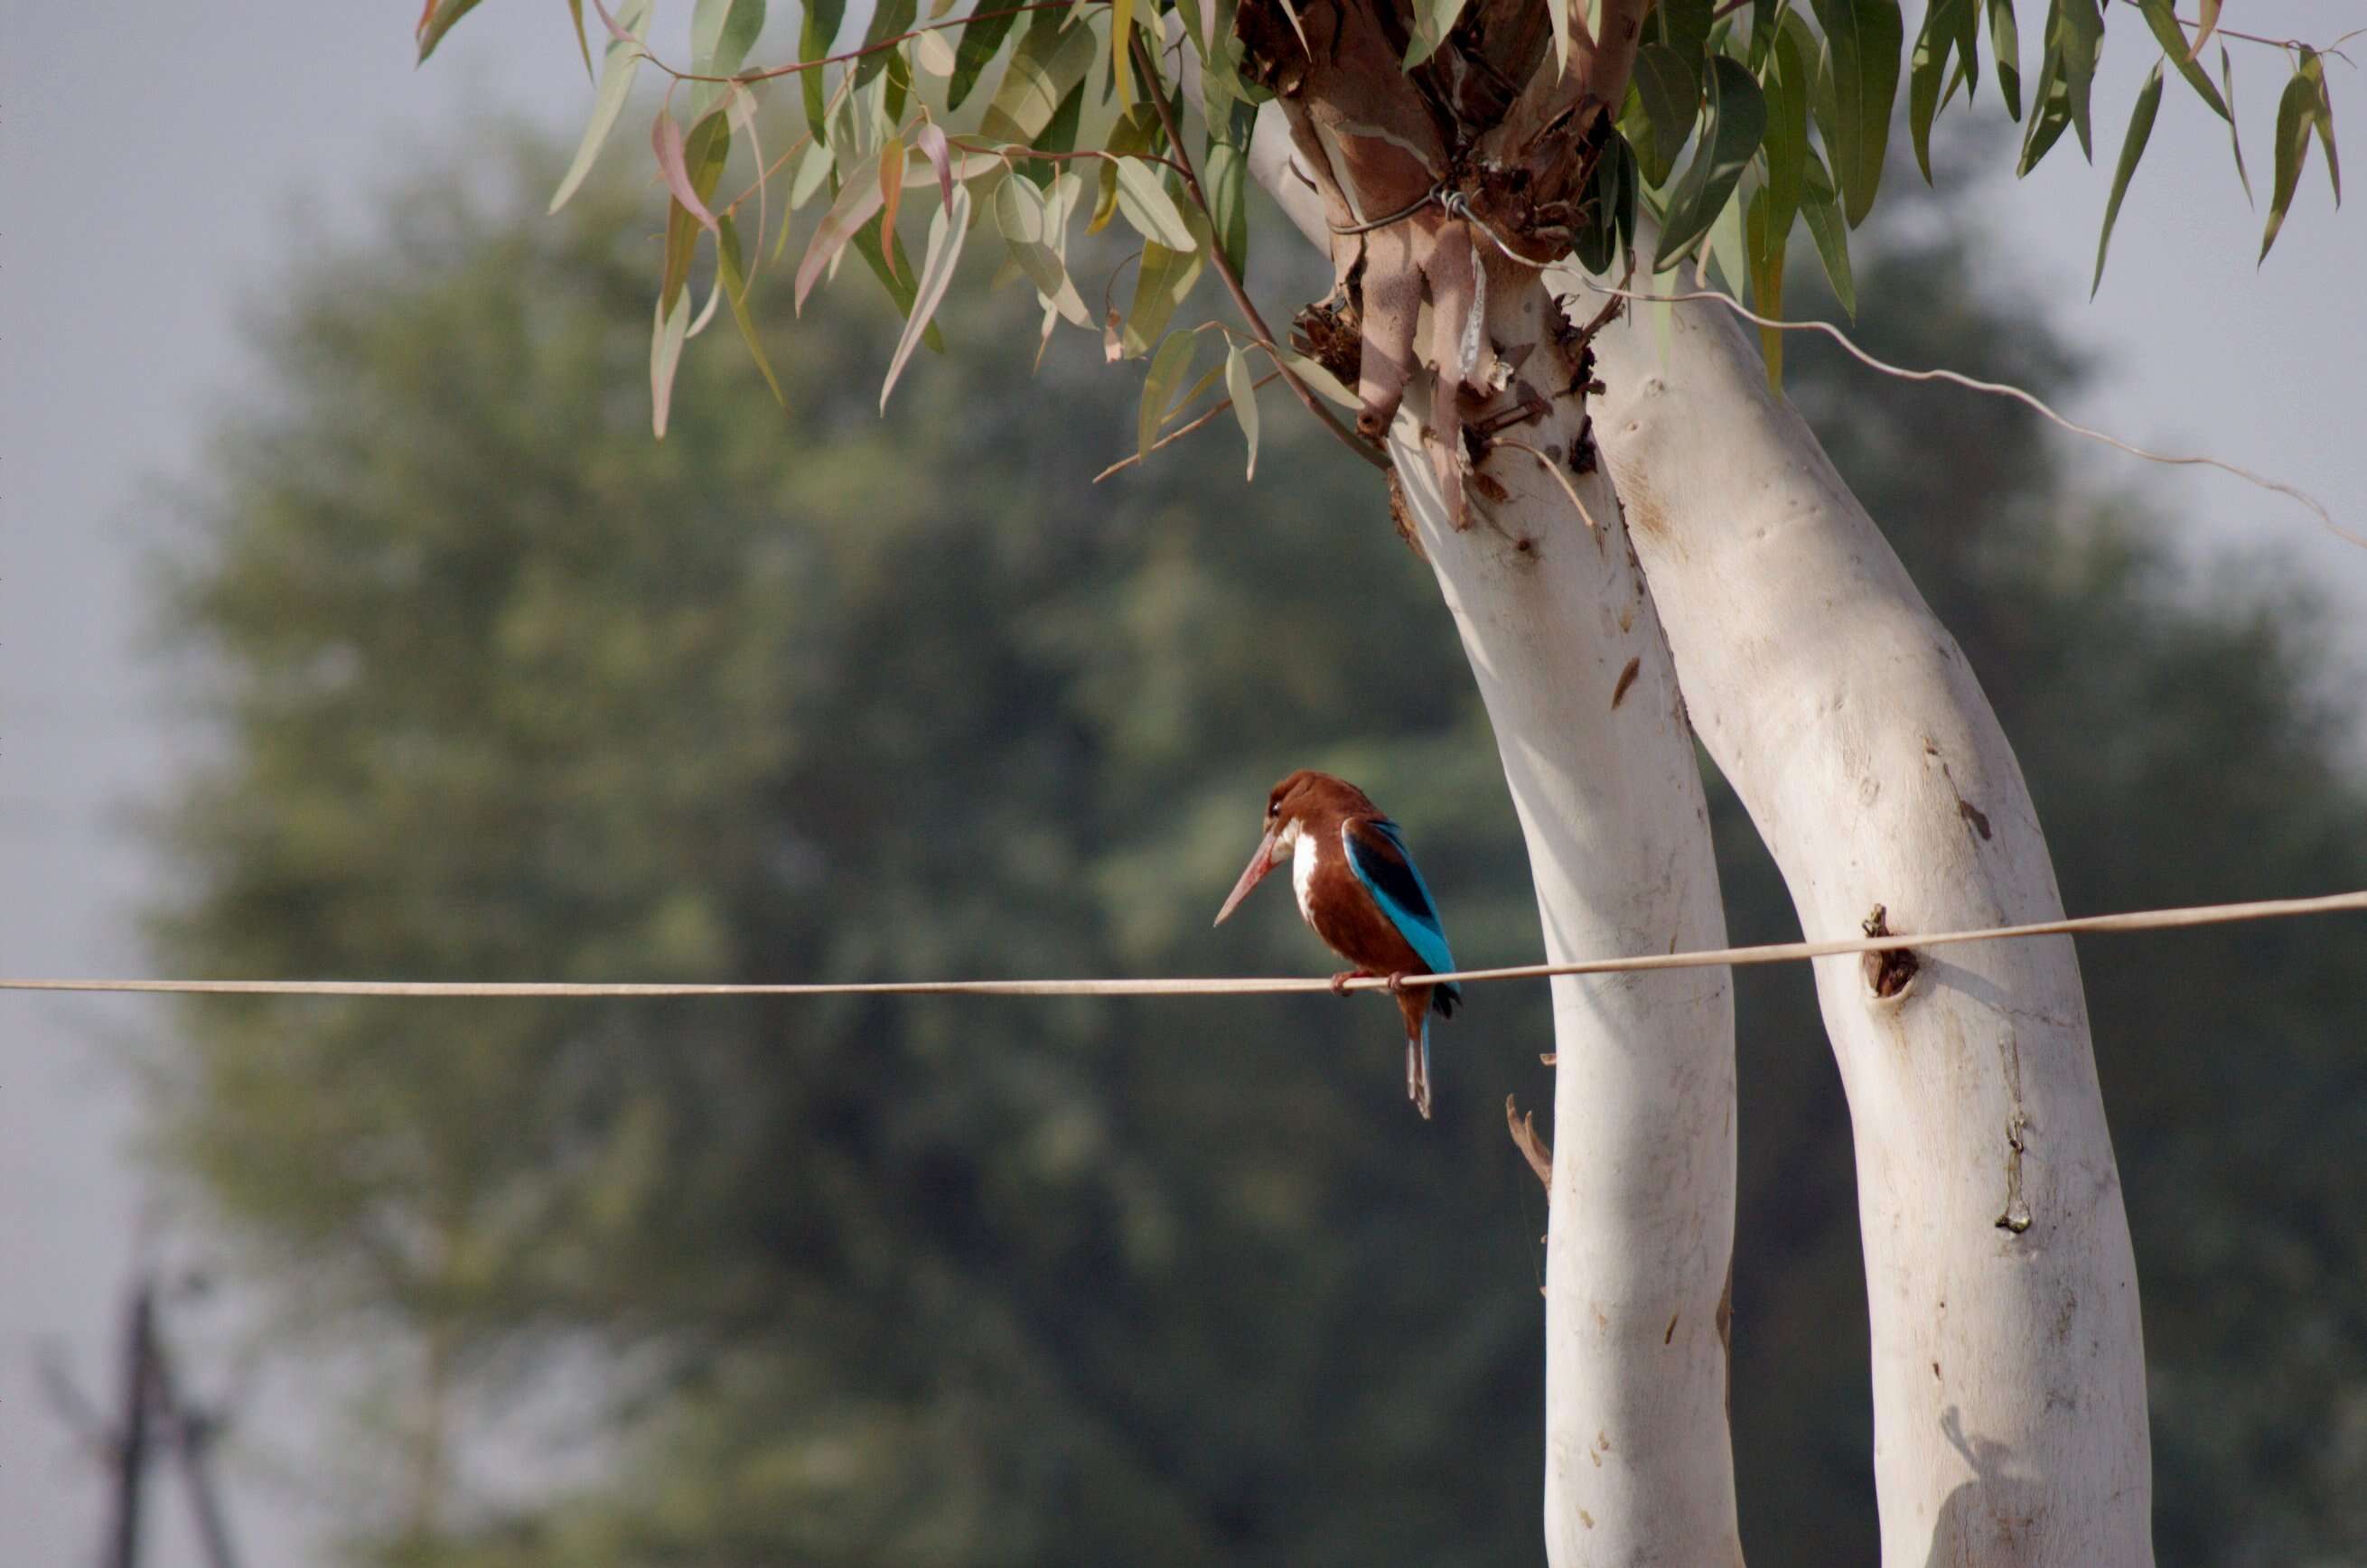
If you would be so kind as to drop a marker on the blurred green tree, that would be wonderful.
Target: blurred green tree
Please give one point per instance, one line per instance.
(505, 689)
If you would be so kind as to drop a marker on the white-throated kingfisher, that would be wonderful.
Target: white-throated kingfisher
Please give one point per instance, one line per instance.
(1358, 889)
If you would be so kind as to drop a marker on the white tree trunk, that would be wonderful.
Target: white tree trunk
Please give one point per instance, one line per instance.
(2008, 1357)
(2008, 1366)
(1576, 674)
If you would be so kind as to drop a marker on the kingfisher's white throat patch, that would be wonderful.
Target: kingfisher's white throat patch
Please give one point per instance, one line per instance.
(1302, 870)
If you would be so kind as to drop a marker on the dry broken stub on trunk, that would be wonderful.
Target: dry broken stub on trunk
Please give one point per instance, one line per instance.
(1888, 973)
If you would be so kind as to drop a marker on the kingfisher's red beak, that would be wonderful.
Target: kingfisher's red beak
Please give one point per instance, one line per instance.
(1259, 864)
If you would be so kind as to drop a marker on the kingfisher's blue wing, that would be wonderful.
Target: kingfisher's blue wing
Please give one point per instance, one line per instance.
(1379, 857)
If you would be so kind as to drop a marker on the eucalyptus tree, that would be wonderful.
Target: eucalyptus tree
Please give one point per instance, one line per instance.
(1641, 544)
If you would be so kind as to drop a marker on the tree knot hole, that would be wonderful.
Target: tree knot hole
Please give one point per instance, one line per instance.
(1887, 973)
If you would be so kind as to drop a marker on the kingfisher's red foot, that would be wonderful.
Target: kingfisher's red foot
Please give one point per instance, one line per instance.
(1397, 983)
(1340, 981)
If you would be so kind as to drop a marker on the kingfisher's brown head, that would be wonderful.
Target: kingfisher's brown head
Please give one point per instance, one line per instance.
(1305, 803)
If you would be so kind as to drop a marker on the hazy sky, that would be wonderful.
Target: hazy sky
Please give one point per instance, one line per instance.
(152, 157)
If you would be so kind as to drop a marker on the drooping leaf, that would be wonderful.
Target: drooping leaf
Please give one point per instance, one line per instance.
(437, 20)
(1032, 227)
(1722, 257)
(2297, 118)
(1684, 26)
(2207, 15)
(2050, 113)
(889, 19)
(816, 33)
(1047, 64)
(932, 54)
(1146, 206)
(2163, 20)
(2133, 148)
(930, 138)
(2076, 34)
(665, 355)
(947, 228)
(2313, 66)
(1226, 177)
(2234, 138)
(857, 203)
(899, 282)
(1161, 281)
(1787, 84)
(1168, 368)
(891, 184)
(616, 68)
(1862, 40)
(1734, 119)
(1943, 29)
(2005, 42)
(1611, 197)
(1671, 94)
(583, 41)
(1241, 387)
(1121, 69)
(1433, 20)
(703, 158)
(721, 33)
(665, 140)
(989, 25)
(731, 273)
(1820, 205)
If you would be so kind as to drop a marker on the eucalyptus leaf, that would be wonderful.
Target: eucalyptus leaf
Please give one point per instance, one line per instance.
(1820, 205)
(2234, 138)
(721, 33)
(1433, 20)
(665, 356)
(1226, 177)
(731, 273)
(1168, 368)
(1032, 227)
(1943, 29)
(1862, 40)
(1162, 281)
(2133, 148)
(889, 18)
(1788, 82)
(1146, 206)
(816, 33)
(2163, 20)
(616, 68)
(2005, 42)
(983, 35)
(1241, 387)
(947, 229)
(1045, 67)
(2076, 35)
(1734, 119)
(437, 21)
(1671, 94)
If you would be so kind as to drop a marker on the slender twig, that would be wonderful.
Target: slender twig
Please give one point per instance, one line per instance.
(1549, 466)
(792, 70)
(1247, 308)
(2286, 43)
(1220, 406)
(1998, 389)
(1013, 151)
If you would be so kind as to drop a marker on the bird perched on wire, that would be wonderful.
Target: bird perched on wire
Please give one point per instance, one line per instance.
(1358, 889)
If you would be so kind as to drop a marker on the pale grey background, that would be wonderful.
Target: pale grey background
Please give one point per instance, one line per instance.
(152, 158)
